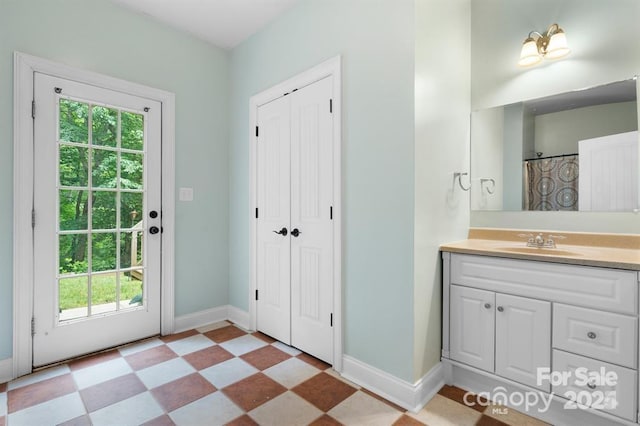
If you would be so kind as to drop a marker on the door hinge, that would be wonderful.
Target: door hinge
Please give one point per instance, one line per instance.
(331, 320)
(33, 218)
(331, 213)
(33, 109)
(256, 212)
(257, 131)
(331, 106)
(256, 294)
(33, 326)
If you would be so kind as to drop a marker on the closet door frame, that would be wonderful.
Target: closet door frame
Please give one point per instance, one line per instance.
(331, 67)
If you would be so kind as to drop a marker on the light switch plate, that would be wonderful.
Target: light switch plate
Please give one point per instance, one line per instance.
(186, 194)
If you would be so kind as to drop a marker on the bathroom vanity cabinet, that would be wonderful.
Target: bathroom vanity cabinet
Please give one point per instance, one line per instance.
(503, 319)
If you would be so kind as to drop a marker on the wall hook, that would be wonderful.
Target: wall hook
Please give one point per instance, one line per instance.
(490, 188)
(458, 175)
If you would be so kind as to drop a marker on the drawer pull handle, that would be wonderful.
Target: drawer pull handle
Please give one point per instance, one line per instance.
(591, 385)
(500, 309)
(487, 305)
(591, 335)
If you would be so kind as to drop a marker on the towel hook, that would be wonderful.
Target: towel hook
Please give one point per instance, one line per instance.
(458, 175)
(490, 188)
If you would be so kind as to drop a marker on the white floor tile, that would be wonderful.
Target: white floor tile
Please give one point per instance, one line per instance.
(214, 326)
(242, 345)
(39, 376)
(55, 411)
(446, 412)
(3, 404)
(291, 372)
(228, 372)
(100, 373)
(165, 372)
(190, 344)
(213, 409)
(133, 411)
(139, 347)
(287, 349)
(287, 409)
(362, 409)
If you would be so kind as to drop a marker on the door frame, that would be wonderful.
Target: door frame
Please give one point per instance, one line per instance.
(330, 67)
(24, 67)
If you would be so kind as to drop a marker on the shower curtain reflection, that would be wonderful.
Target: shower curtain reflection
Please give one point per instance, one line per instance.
(551, 183)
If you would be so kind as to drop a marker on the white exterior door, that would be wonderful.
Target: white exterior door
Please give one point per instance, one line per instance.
(311, 200)
(273, 220)
(523, 339)
(97, 200)
(472, 326)
(294, 270)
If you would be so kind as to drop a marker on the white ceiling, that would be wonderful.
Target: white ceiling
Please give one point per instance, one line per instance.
(224, 23)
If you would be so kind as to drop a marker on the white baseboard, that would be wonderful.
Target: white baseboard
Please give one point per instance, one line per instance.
(201, 318)
(6, 370)
(238, 317)
(410, 396)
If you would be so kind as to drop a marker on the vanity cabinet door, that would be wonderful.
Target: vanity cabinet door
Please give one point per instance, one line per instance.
(523, 339)
(472, 316)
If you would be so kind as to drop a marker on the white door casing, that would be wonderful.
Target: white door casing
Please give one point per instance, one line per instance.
(311, 206)
(273, 215)
(55, 338)
(23, 136)
(329, 68)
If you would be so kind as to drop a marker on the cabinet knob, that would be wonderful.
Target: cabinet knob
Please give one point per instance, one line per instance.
(591, 335)
(487, 305)
(500, 309)
(591, 385)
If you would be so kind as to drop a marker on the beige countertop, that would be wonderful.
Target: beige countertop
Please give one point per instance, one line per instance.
(621, 251)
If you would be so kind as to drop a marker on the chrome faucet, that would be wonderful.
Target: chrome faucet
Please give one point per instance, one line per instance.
(539, 240)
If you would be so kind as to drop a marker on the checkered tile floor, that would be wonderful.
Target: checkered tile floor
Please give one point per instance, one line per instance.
(214, 376)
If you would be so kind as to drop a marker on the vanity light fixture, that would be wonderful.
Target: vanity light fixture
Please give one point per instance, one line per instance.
(550, 45)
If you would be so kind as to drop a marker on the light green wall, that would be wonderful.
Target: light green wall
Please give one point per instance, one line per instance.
(603, 37)
(376, 41)
(441, 148)
(99, 36)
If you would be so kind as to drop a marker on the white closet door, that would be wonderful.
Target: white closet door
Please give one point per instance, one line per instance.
(311, 199)
(609, 173)
(274, 250)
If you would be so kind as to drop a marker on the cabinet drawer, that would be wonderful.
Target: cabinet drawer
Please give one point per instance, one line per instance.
(596, 334)
(600, 288)
(624, 386)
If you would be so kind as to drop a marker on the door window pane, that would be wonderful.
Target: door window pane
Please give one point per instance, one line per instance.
(105, 168)
(73, 297)
(72, 253)
(73, 210)
(131, 171)
(74, 166)
(130, 209)
(131, 248)
(104, 126)
(104, 210)
(103, 254)
(131, 289)
(103, 293)
(132, 131)
(74, 121)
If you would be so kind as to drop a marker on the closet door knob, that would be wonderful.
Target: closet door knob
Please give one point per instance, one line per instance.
(282, 232)
(500, 309)
(487, 305)
(295, 232)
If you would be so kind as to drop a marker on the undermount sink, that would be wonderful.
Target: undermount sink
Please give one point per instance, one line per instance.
(540, 250)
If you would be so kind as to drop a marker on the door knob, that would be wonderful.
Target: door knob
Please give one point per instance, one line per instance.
(153, 214)
(295, 232)
(282, 232)
(154, 230)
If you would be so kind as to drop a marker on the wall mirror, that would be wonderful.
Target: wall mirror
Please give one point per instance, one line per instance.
(575, 151)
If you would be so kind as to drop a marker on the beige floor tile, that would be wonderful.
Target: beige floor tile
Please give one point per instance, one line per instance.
(442, 411)
(286, 409)
(512, 417)
(362, 409)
